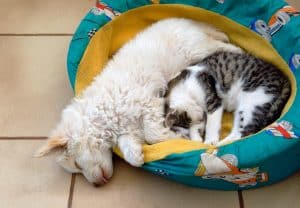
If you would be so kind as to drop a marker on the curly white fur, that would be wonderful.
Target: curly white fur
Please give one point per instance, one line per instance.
(122, 106)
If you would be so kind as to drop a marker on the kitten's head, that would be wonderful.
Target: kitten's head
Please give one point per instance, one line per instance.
(80, 150)
(177, 118)
(182, 108)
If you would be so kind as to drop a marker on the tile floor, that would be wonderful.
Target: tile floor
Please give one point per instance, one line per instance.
(34, 88)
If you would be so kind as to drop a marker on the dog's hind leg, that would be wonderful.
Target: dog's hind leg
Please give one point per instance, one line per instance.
(216, 34)
(131, 149)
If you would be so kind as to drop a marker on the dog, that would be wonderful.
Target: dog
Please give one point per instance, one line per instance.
(123, 106)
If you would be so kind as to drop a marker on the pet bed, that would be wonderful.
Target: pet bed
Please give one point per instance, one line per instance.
(266, 28)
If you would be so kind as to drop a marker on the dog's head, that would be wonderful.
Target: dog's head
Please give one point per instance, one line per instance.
(81, 150)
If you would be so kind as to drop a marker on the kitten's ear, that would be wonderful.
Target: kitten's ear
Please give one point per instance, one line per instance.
(176, 79)
(211, 80)
(51, 144)
(171, 117)
(207, 78)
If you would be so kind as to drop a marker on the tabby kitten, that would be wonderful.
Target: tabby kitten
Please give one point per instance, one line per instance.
(254, 90)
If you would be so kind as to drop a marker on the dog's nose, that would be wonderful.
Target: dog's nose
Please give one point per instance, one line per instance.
(97, 184)
(100, 183)
(105, 178)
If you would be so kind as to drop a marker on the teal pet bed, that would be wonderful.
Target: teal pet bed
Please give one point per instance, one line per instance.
(266, 28)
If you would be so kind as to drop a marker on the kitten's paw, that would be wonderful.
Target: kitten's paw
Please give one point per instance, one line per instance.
(230, 138)
(211, 139)
(174, 135)
(181, 131)
(213, 142)
(197, 138)
(196, 130)
(134, 155)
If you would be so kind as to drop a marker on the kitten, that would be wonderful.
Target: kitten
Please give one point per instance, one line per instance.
(254, 90)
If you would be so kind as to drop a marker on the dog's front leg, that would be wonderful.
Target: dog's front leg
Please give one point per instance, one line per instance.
(131, 149)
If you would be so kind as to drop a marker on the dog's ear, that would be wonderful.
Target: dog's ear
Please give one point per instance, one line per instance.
(51, 144)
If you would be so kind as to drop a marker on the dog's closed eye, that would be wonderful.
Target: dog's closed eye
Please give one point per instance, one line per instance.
(77, 166)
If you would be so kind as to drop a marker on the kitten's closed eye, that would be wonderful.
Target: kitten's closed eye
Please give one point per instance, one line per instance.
(183, 120)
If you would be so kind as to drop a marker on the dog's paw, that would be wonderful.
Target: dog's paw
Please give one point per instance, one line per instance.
(134, 155)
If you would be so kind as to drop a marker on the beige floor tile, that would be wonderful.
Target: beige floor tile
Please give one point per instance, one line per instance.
(35, 16)
(282, 195)
(30, 182)
(34, 86)
(135, 188)
(294, 3)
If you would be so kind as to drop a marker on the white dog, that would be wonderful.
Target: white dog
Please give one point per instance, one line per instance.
(122, 106)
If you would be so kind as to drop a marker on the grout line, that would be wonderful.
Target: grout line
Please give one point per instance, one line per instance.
(241, 199)
(36, 34)
(23, 138)
(71, 191)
